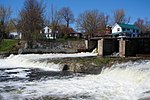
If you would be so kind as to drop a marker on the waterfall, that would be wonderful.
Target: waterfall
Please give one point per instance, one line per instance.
(38, 60)
(125, 81)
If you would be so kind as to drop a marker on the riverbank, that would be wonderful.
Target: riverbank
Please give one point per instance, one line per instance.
(92, 65)
(11, 46)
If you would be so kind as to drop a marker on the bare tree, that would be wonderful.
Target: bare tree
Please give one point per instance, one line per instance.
(31, 19)
(147, 25)
(5, 13)
(12, 25)
(91, 22)
(140, 24)
(144, 25)
(103, 23)
(55, 19)
(64, 30)
(67, 15)
(120, 17)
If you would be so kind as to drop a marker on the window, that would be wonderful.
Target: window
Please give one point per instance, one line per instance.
(123, 29)
(43, 31)
(118, 29)
(137, 31)
(133, 30)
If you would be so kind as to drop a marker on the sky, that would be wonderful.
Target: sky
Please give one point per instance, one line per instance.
(133, 8)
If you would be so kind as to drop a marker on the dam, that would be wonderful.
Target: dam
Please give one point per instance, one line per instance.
(137, 46)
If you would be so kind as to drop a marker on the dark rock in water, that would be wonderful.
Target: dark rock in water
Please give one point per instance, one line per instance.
(65, 68)
(91, 65)
(147, 97)
(1, 98)
(37, 74)
(77, 67)
(84, 65)
(144, 98)
(88, 68)
(146, 92)
(6, 74)
(1, 56)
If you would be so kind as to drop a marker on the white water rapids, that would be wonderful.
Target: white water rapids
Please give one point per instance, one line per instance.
(33, 60)
(126, 81)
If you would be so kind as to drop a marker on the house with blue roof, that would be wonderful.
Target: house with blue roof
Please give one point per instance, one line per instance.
(125, 30)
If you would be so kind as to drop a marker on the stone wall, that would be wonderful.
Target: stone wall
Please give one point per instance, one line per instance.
(55, 46)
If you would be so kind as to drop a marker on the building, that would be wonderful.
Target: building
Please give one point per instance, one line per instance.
(47, 33)
(108, 31)
(125, 30)
(15, 35)
(75, 35)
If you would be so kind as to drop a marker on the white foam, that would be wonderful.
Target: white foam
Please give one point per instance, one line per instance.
(20, 73)
(33, 60)
(113, 84)
(117, 83)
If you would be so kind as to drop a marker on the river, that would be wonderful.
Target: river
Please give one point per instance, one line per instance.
(30, 76)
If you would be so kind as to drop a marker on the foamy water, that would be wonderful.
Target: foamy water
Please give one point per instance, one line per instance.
(34, 60)
(126, 81)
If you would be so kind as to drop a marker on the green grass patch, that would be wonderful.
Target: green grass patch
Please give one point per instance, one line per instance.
(7, 45)
(84, 60)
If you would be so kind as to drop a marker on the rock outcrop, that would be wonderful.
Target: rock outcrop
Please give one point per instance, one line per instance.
(90, 65)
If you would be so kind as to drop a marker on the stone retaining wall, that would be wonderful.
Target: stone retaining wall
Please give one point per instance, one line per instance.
(55, 46)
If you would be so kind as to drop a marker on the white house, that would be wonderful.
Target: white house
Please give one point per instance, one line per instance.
(15, 35)
(47, 33)
(125, 30)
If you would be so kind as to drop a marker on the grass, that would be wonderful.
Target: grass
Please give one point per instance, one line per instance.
(7, 45)
(84, 60)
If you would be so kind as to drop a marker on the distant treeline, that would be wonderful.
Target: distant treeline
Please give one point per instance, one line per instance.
(32, 18)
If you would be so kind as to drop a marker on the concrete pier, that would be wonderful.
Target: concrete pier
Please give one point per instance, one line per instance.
(124, 46)
(100, 47)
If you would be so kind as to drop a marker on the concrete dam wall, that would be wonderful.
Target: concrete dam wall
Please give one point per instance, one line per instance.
(124, 46)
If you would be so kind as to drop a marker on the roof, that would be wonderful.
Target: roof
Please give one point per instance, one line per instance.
(46, 27)
(13, 33)
(128, 26)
